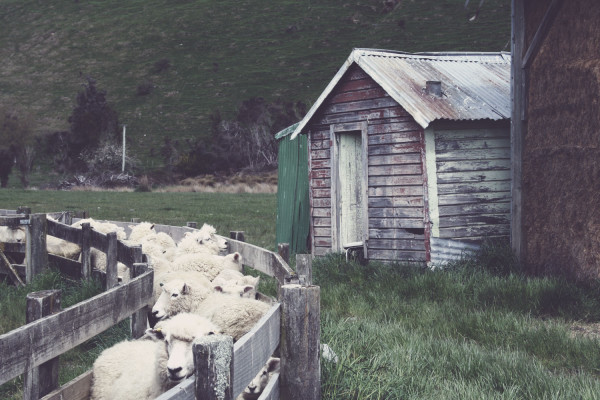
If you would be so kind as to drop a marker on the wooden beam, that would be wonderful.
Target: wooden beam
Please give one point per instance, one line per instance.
(41, 380)
(300, 340)
(213, 356)
(517, 125)
(540, 34)
(36, 252)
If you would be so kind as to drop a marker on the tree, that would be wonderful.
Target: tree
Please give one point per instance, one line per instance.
(92, 121)
(16, 145)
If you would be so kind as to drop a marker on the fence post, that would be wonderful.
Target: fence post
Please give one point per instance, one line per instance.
(24, 210)
(192, 225)
(284, 251)
(36, 253)
(237, 235)
(86, 253)
(39, 381)
(139, 319)
(112, 279)
(135, 220)
(213, 358)
(300, 342)
(304, 267)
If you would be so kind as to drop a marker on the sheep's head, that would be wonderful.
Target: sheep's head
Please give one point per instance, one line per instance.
(209, 233)
(233, 289)
(9, 234)
(178, 334)
(233, 261)
(141, 230)
(174, 298)
(258, 384)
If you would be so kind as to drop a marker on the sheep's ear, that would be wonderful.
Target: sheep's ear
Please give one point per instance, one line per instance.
(248, 288)
(236, 256)
(273, 365)
(218, 288)
(152, 227)
(185, 289)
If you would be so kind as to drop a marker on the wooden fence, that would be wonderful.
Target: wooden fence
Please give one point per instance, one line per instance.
(291, 327)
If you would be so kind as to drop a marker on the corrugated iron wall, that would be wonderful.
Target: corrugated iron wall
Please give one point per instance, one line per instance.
(293, 220)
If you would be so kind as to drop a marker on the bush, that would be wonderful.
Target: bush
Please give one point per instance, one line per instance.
(245, 143)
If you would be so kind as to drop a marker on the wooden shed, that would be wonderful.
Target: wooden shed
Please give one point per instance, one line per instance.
(409, 155)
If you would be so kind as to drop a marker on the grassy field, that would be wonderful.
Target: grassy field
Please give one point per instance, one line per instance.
(478, 330)
(219, 52)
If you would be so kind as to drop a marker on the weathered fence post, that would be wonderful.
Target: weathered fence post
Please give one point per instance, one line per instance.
(192, 225)
(86, 254)
(139, 318)
(284, 251)
(111, 261)
(41, 380)
(304, 267)
(300, 342)
(36, 253)
(237, 235)
(135, 220)
(213, 358)
(24, 210)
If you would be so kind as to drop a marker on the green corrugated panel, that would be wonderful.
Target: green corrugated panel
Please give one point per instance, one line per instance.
(293, 207)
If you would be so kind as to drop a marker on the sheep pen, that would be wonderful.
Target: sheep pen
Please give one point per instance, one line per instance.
(289, 328)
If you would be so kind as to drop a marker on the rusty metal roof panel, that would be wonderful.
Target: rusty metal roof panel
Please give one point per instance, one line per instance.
(474, 86)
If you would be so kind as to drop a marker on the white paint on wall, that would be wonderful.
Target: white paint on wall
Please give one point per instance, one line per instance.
(432, 191)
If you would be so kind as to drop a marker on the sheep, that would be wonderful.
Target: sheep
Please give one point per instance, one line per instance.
(62, 247)
(209, 264)
(204, 240)
(143, 369)
(260, 381)
(12, 234)
(234, 281)
(102, 227)
(179, 292)
(235, 315)
(140, 231)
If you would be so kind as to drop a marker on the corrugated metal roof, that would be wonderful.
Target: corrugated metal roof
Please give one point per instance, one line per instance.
(474, 85)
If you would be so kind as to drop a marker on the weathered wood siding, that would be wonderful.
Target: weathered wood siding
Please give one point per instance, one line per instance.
(473, 183)
(396, 228)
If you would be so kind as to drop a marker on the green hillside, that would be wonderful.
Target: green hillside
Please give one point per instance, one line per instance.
(219, 53)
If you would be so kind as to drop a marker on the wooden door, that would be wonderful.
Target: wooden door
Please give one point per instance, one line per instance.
(349, 185)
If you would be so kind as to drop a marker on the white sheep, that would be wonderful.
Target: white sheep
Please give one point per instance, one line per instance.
(260, 381)
(62, 248)
(209, 264)
(102, 227)
(140, 231)
(234, 314)
(179, 292)
(204, 240)
(230, 281)
(143, 369)
(12, 234)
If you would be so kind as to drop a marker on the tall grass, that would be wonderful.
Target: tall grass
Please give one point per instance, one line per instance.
(402, 332)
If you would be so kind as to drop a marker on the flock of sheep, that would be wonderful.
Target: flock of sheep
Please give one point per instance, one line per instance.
(197, 292)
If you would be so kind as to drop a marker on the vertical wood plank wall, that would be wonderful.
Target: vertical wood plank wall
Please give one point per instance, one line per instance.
(395, 171)
(473, 183)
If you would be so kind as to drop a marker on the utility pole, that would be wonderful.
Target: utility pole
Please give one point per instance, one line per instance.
(123, 165)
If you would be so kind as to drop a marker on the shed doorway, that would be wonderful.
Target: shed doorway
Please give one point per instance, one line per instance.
(349, 186)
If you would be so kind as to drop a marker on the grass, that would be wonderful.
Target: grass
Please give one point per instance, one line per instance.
(220, 53)
(402, 332)
(477, 330)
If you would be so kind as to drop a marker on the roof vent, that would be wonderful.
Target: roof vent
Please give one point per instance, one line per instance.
(434, 88)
